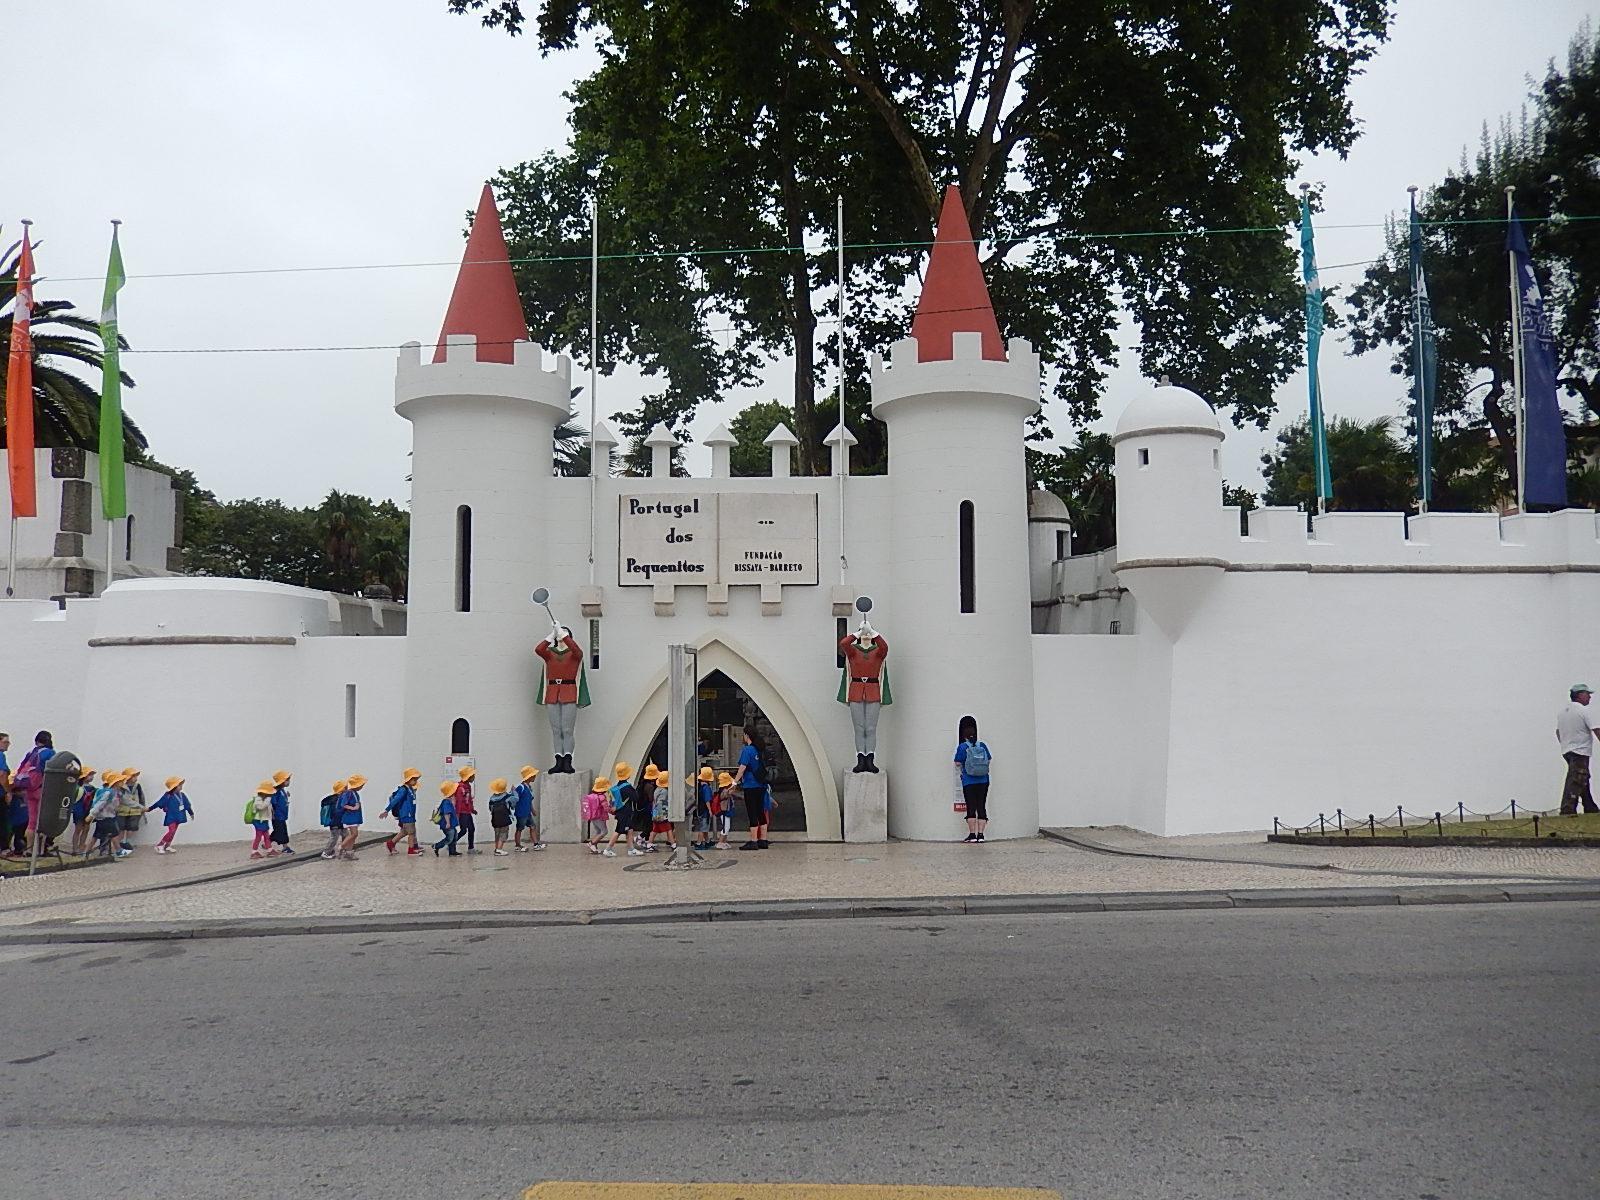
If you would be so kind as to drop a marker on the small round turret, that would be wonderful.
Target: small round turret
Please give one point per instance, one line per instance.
(1169, 476)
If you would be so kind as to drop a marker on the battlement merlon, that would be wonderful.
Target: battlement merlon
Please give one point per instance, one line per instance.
(1360, 541)
(902, 376)
(463, 375)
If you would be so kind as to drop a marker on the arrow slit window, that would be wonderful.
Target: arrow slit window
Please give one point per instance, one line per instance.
(464, 558)
(969, 582)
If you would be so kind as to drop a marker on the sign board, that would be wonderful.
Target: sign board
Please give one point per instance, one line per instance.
(454, 762)
(707, 537)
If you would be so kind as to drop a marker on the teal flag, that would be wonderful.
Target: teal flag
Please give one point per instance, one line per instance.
(1308, 266)
(113, 475)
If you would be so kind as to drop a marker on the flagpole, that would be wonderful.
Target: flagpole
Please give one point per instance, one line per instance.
(594, 368)
(111, 522)
(1418, 369)
(844, 446)
(1516, 362)
(11, 561)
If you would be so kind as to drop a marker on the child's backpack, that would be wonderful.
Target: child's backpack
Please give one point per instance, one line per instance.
(250, 811)
(977, 760)
(438, 816)
(329, 802)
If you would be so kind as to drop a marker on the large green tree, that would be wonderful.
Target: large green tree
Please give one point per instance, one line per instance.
(1095, 146)
(1548, 156)
(66, 405)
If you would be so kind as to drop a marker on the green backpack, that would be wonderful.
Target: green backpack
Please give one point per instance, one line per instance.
(250, 811)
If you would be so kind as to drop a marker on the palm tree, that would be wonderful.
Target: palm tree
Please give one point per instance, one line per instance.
(571, 447)
(66, 408)
(344, 520)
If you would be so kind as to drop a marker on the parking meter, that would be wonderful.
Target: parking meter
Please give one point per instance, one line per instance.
(59, 792)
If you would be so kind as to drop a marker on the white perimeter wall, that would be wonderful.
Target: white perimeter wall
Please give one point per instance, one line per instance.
(1291, 693)
(223, 714)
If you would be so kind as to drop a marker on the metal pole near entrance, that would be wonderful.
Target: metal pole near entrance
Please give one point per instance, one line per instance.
(683, 759)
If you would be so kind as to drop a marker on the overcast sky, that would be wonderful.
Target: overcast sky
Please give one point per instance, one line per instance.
(233, 137)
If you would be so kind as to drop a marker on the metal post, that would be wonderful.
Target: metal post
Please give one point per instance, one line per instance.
(683, 732)
(594, 369)
(1400, 814)
(1274, 826)
(1322, 825)
(1419, 368)
(844, 449)
(1372, 825)
(1513, 809)
(1438, 823)
(1461, 813)
(11, 561)
(1339, 814)
(111, 527)
(1536, 825)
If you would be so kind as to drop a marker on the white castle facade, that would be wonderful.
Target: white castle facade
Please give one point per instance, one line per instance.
(1197, 678)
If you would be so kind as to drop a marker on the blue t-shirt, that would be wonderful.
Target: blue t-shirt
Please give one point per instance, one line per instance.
(750, 760)
(961, 757)
(350, 809)
(447, 813)
(524, 807)
(4, 767)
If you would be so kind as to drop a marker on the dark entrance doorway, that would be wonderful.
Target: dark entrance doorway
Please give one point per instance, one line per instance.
(725, 709)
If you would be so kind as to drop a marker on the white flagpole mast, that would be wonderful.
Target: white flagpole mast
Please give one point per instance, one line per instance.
(594, 368)
(844, 448)
(1516, 363)
(111, 523)
(1419, 366)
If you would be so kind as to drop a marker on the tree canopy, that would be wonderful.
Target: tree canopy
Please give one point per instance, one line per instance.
(1095, 147)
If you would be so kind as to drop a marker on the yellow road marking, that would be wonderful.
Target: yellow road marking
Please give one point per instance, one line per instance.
(774, 1191)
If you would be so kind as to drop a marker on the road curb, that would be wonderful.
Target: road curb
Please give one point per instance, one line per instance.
(50, 933)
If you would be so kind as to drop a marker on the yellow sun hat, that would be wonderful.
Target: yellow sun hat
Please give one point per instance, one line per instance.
(724, 779)
(447, 788)
(357, 781)
(85, 773)
(622, 770)
(706, 775)
(279, 778)
(130, 772)
(339, 785)
(468, 773)
(497, 785)
(266, 787)
(601, 783)
(174, 781)
(410, 775)
(651, 771)
(529, 773)
(111, 778)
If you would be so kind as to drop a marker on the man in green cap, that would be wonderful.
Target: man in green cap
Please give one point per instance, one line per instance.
(1576, 728)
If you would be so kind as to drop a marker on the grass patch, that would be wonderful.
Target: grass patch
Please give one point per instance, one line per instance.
(1584, 825)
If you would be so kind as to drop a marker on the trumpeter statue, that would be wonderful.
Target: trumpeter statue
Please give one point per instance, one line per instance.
(564, 688)
(864, 685)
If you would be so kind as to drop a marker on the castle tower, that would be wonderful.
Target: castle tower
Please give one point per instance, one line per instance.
(1169, 503)
(955, 397)
(483, 414)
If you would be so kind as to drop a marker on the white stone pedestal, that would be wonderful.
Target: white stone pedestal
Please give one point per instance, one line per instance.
(866, 806)
(560, 803)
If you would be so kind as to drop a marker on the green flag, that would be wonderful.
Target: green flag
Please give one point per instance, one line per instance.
(113, 478)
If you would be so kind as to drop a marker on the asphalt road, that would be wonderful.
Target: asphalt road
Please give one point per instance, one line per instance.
(1432, 1053)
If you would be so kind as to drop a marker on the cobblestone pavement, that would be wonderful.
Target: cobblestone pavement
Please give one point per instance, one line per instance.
(569, 878)
(1543, 862)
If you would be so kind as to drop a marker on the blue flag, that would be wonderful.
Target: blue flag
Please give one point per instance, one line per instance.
(1425, 361)
(1319, 434)
(1544, 437)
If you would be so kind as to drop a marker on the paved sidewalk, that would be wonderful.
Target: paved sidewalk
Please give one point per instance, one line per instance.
(569, 879)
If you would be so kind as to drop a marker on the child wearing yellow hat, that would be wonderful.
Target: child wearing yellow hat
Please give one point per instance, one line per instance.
(103, 814)
(446, 819)
(402, 807)
(332, 817)
(500, 814)
(596, 813)
(526, 813)
(467, 808)
(722, 809)
(350, 815)
(623, 801)
(80, 809)
(704, 789)
(176, 810)
(258, 814)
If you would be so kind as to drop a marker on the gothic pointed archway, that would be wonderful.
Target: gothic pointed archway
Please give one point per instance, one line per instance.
(818, 791)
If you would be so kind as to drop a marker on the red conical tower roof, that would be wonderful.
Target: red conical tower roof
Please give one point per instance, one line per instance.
(485, 302)
(954, 297)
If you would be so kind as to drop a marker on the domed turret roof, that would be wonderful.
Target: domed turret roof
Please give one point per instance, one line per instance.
(1166, 408)
(1046, 506)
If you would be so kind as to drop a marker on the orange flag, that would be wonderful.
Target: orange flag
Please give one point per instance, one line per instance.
(19, 392)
